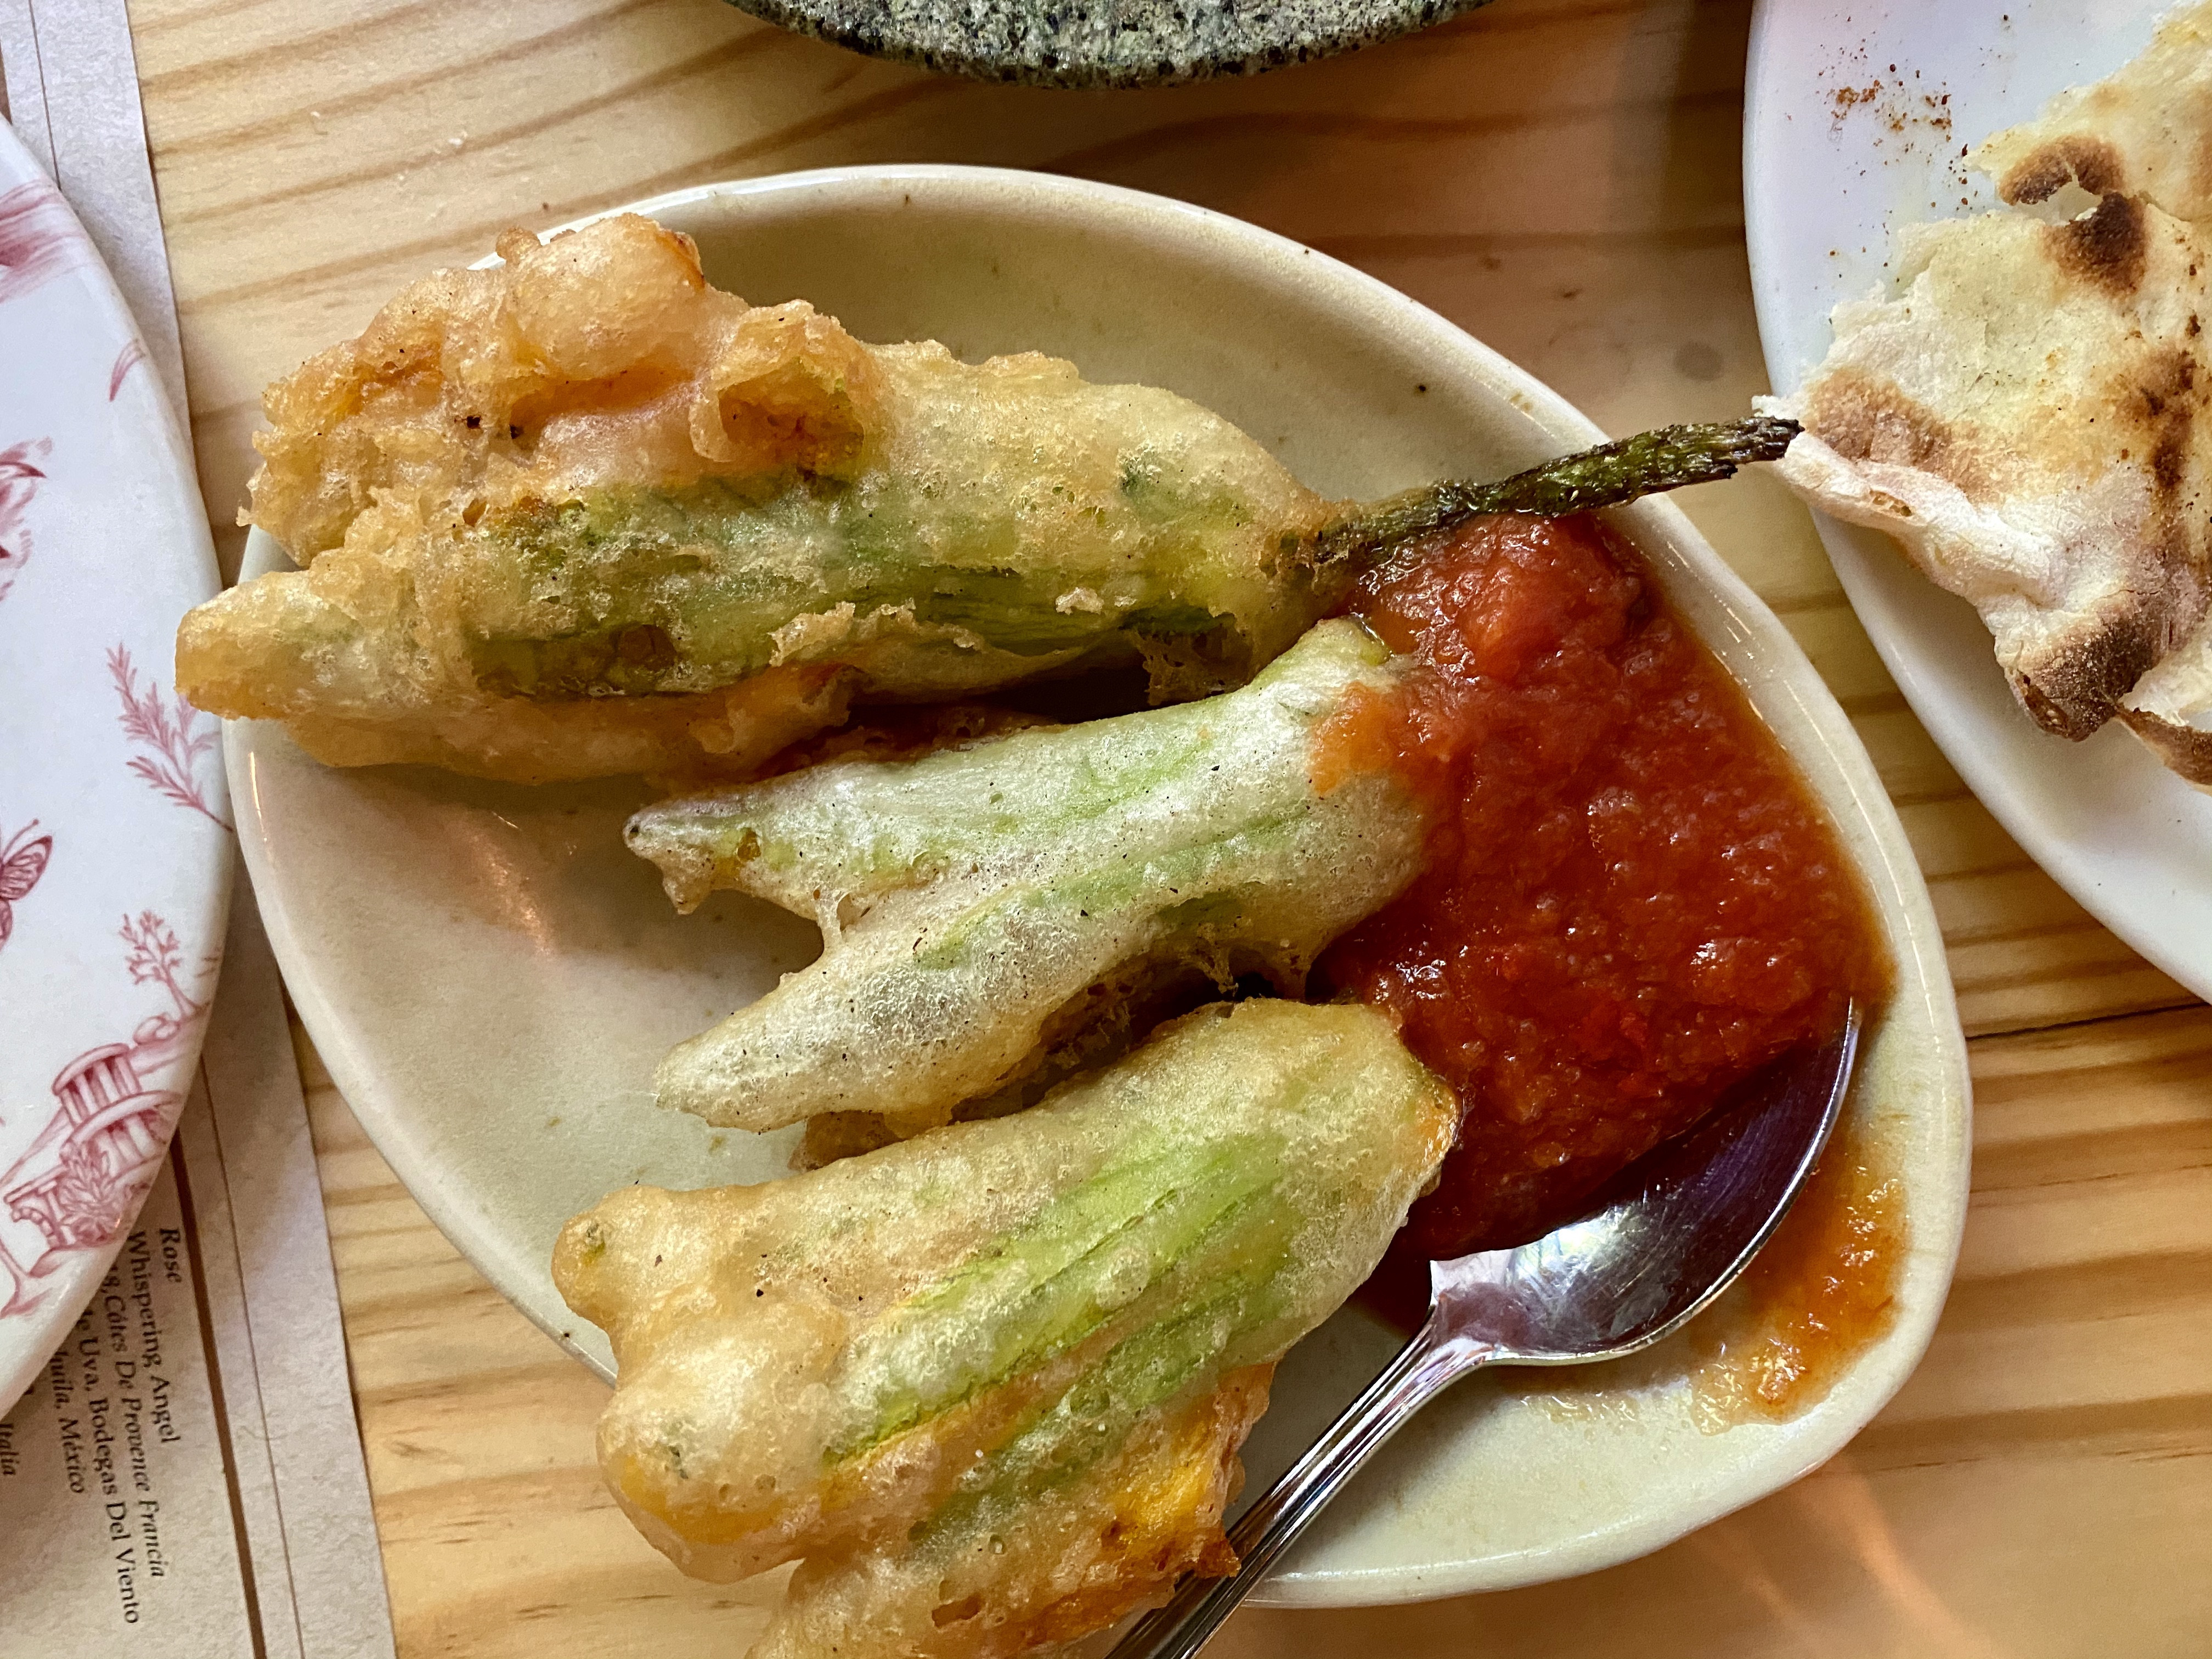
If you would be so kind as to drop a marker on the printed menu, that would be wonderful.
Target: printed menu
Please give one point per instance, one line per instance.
(106, 1468)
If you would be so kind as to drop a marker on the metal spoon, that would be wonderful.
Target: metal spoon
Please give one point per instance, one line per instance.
(1682, 1224)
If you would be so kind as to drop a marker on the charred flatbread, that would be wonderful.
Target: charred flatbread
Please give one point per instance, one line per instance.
(2025, 414)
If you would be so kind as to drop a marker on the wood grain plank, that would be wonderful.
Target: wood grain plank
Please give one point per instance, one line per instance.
(478, 1432)
(1560, 177)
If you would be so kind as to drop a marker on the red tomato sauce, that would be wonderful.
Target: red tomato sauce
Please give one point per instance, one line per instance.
(1629, 902)
(1821, 1291)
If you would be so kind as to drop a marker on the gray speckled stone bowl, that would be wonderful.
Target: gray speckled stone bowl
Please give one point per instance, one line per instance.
(1104, 43)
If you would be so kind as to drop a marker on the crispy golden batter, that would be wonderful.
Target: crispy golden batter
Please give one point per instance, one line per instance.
(989, 1384)
(980, 907)
(595, 358)
(1075, 1557)
(582, 513)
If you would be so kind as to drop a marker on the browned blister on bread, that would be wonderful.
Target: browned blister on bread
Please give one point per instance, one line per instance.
(2171, 709)
(2145, 131)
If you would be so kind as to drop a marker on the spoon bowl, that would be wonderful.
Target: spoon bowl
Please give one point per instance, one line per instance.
(1667, 1238)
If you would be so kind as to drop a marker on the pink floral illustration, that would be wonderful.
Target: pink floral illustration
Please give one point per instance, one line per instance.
(22, 860)
(81, 1181)
(20, 478)
(128, 358)
(177, 736)
(87, 1192)
(155, 955)
(38, 238)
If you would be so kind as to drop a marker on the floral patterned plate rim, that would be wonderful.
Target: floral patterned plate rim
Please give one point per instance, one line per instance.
(115, 835)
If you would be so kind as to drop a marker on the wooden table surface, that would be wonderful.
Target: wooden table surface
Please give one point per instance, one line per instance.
(1560, 177)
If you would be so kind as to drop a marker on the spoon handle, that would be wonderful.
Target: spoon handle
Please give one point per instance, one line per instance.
(1192, 1615)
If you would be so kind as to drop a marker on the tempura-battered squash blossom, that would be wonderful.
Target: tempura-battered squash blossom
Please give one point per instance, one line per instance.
(583, 513)
(988, 1385)
(979, 905)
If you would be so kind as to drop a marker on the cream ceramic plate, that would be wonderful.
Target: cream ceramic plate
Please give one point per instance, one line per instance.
(492, 977)
(114, 844)
(1825, 184)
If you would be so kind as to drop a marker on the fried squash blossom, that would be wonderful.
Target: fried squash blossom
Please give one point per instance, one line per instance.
(988, 1386)
(581, 514)
(990, 913)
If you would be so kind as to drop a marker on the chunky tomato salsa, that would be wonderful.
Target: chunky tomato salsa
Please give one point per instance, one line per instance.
(1630, 903)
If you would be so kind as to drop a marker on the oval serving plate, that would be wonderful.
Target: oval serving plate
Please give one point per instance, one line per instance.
(491, 976)
(114, 840)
